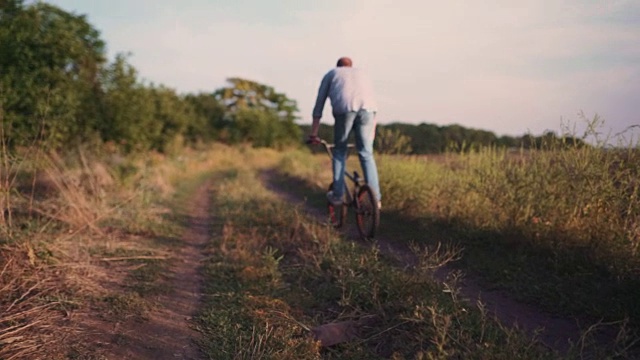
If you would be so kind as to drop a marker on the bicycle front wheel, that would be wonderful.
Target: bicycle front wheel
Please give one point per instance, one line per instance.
(367, 213)
(337, 214)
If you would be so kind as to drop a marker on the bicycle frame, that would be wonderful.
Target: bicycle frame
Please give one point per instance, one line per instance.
(355, 177)
(361, 198)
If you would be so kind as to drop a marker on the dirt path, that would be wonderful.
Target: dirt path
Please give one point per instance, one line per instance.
(554, 332)
(167, 333)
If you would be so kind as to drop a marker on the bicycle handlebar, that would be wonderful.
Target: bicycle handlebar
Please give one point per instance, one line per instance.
(320, 141)
(327, 146)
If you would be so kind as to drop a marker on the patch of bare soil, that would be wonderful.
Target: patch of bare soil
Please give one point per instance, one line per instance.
(554, 332)
(167, 330)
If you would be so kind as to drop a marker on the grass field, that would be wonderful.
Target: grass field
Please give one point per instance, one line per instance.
(554, 228)
(558, 228)
(274, 273)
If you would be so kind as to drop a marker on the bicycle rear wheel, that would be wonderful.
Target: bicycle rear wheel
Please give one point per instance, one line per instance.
(337, 214)
(367, 213)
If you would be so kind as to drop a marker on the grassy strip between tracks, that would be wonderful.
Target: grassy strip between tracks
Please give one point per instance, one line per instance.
(273, 273)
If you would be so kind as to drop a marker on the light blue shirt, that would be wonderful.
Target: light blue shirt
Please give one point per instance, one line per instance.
(348, 88)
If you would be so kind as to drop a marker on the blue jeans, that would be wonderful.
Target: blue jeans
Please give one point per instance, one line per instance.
(364, 125)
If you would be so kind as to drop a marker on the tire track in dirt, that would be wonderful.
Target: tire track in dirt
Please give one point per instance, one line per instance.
(557, 333)
(167, 332)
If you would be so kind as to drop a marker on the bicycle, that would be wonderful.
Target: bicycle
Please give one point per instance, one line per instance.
(360, 197)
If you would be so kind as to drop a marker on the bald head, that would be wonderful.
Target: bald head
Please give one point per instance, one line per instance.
(344, 61)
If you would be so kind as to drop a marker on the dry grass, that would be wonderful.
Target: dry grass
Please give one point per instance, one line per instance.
(64, 221)
(30, 304)
(42, 279)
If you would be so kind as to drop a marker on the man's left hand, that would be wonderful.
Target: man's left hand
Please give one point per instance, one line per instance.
(313, 140)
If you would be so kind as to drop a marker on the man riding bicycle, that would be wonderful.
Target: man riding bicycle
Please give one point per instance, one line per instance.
(354, 108)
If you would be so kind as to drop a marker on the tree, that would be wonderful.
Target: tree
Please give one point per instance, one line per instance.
(249, 94)
(9, 8)
(207, 120)
(257, 113)
(128, 118)
(50, 63)
(507, 141)
(171, 115)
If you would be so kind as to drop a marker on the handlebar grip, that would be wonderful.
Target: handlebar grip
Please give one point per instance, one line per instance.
(313, 140)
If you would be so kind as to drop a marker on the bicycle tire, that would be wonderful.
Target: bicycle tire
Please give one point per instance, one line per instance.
(367, 213)
(337, 214)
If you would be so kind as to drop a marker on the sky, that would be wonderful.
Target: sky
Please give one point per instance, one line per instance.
(508, 66)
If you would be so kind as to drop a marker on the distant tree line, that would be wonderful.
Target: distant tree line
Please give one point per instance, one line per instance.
(58, 89)
(402, 138)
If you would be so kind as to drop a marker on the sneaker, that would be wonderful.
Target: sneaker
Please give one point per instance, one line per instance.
(335, 201)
